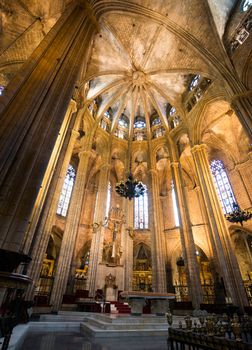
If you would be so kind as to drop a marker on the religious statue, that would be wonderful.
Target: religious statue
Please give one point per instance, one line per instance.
(112, 250)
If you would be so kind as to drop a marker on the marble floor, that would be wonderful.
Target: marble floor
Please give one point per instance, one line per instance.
(77, 341)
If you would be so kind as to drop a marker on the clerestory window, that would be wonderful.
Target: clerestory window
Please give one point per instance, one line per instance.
(141, 213)
(223, 186)
(66, 191)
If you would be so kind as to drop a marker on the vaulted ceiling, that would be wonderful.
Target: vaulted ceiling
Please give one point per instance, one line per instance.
(142, 59)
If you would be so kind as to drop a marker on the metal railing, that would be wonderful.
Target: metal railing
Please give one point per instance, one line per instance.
(211, 333)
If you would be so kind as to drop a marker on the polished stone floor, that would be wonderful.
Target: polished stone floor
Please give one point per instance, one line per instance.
(76, 341)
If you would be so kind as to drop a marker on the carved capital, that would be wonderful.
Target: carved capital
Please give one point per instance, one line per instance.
(84, 154)
(199, 148)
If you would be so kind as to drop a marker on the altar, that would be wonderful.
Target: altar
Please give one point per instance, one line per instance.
(159, 302)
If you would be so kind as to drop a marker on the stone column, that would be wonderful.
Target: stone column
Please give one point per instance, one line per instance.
(51, 170)
(187, 240)
(158, 244)
(227, 262)
(33, 109)
(128, 250)
(71, 229)
(44, 229)
(98, 232)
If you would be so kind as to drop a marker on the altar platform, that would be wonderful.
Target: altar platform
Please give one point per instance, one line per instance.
(159, 302)
(108, 325)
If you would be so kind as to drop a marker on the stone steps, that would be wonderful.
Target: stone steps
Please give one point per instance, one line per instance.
(124, 331)
(125, 326)
(128, 319)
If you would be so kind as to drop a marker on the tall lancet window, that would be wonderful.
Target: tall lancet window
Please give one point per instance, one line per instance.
(66, 191)
(141, 213)
(108, 200)
(175, 205)
(222, 185)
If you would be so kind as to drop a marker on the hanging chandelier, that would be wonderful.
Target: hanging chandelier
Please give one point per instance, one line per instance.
(238, 215)
(130, 188)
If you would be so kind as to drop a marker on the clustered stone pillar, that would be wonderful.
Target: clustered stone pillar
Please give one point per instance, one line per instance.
(55, 164)
(33, 109)
(187, 240)
(71, 229)
(220, 236)
(158, 243)
(98, 232)
(128, 253)
(45, 228)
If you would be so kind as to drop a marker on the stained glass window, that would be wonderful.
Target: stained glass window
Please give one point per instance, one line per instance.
(245, 5)
(66, 191)
(123, 121)
(139, 124)
(156, 121)
(141, 214)
(222, 185)
(175, 206)
(194, 82)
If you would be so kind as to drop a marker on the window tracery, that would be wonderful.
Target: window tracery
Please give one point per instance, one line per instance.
(66, 191)
(194, 95)
(223, 186)
(141, 215)
(139, 123)
(172, 116)
(242, 33)
(194, 82)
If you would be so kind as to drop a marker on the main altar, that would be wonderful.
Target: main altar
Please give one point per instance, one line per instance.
(159, 302)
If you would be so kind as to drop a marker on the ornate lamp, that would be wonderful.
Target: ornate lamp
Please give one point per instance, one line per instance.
(130, 188)
(238, 215)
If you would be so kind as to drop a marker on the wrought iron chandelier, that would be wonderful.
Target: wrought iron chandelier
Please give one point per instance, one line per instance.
(130, 188)
(238, 215)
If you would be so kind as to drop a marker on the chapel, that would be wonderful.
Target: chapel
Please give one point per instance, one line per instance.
(126, 151)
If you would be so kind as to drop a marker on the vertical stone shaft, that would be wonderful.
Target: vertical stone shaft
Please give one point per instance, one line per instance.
(158, 244)
(128, 255)
(217, 224)
(187, 240)
(71, 229)
(97, 239)
(36, 102)
(48, 217)
(50, 172)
